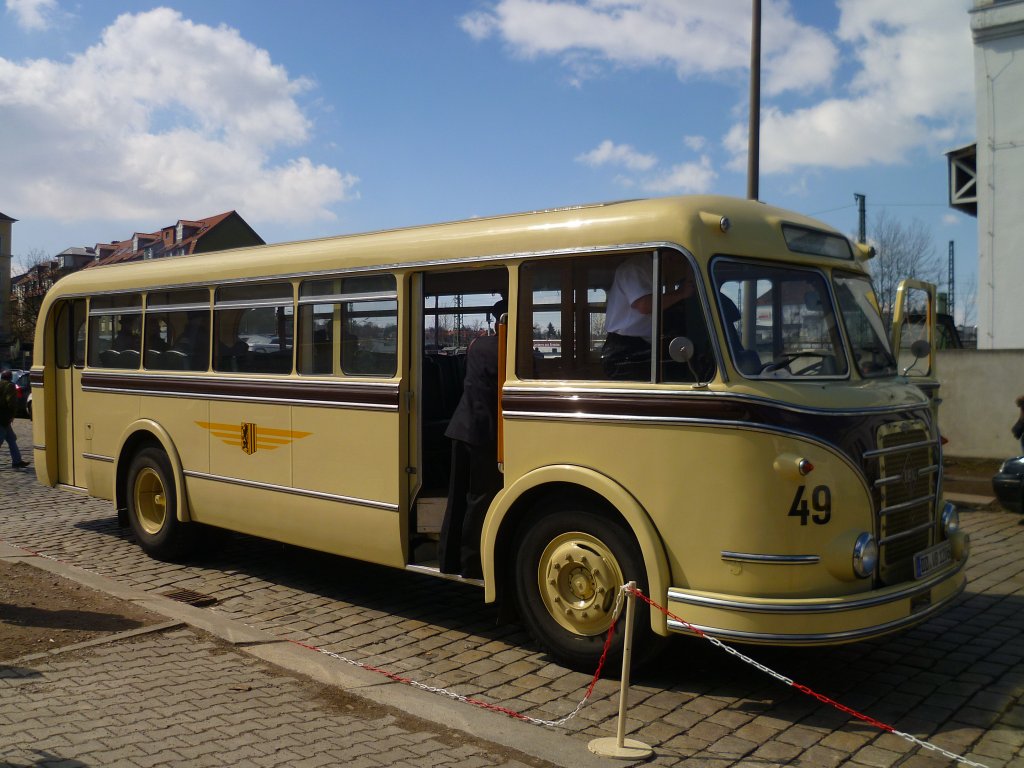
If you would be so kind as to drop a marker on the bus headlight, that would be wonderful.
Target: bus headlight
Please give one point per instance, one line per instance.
(865, 555)
(950, 519)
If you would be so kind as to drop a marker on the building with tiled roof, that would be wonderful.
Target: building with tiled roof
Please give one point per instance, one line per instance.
(215, 233)
(20, 299)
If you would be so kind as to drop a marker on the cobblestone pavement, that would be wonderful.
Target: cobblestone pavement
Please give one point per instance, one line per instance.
(957, 680)
(176, 698)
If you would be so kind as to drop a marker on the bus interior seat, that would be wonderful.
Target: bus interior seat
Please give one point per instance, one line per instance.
(110, 358)
(175, 360)
(129, 358)
(154, 359)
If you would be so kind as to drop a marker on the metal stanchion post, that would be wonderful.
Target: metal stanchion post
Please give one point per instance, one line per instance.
(620, 746)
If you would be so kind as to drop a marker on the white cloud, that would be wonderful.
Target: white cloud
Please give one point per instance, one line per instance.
(610, 153)
(32, 15)
(695, 37)
(692, 177)
(161, 118)
(913, 87)
(911, 84)
(685, 178)
(696, 143)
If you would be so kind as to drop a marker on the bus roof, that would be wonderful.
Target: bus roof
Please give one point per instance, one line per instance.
(692, 222)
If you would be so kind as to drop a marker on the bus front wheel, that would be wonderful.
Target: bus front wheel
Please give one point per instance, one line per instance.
(569, 567)
(152, 504)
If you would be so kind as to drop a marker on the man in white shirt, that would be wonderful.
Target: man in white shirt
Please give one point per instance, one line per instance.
(627, 349)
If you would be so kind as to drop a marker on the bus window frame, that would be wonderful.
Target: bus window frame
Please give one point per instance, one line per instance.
(150, 310)
(525, 309)
(228, 305)
(342, 302)
(824, 273)
(113, 310)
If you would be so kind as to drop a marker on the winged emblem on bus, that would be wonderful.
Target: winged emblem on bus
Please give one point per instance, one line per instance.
(251, 437)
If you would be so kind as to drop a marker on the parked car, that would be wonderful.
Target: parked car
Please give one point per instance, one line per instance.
(1008, 484)
(23, 390)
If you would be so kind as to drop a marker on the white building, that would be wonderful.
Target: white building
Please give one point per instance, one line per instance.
(998, 30)
(5, 279)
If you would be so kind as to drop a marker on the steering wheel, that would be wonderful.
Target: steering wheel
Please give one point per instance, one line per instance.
(784, 361)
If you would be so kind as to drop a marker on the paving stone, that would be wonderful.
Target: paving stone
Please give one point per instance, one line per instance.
(959, 676)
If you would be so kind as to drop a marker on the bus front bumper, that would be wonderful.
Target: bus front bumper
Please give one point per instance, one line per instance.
(814, 621)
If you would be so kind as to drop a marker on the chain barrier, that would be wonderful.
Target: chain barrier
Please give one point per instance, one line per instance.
(616, 610)
(809, 691)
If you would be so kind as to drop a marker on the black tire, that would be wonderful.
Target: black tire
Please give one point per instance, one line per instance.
(152, 503)
(569, 564)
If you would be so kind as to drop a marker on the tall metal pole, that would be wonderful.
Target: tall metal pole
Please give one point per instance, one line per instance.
(754, 140)
(862, 230)
(952, 282)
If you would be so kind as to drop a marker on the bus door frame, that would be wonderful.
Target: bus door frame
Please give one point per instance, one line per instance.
(68, 431)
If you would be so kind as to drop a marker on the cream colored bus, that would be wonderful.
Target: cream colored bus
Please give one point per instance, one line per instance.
(739, 436)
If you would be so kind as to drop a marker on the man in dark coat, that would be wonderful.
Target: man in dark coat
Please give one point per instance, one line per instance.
(8, 406)
(475, 478)
(1018, 428)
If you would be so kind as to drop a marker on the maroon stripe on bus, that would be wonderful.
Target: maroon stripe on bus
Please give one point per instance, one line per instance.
(285, 391)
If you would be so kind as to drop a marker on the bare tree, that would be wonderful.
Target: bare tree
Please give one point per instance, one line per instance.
(25, 309)
(968, 304)
(904, 251)
(33, 257)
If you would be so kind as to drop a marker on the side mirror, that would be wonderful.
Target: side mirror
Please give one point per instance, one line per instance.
(680, 349)
(919, 349)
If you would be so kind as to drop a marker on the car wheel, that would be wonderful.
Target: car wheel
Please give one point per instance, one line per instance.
(152, 504)
(569, 566)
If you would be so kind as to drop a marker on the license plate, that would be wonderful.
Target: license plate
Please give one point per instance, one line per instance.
(932, 559)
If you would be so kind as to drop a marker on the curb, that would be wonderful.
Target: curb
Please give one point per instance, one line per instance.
(556, 747)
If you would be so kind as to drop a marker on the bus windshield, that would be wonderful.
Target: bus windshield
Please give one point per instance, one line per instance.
(780, 321)
(864, 326)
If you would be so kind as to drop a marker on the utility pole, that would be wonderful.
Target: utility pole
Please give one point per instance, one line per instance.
(754, 139)
(952, 294)
(862, 230)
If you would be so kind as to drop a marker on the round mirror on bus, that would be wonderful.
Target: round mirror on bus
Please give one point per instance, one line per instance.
(680, 349)
(920, 348)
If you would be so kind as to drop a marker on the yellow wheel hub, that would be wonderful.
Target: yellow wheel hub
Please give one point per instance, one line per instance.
(150, 500)
(578, 577)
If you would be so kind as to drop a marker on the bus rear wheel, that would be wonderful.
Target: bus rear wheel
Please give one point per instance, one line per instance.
(152, 507)
(569, 567)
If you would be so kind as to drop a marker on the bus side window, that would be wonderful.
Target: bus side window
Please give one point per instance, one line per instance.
(253, 328)
(348, 325)
(79, 328)
(314, 345)
(115, 327)
(177, 331)
(562, 306)
(63, 338)
(369, 326)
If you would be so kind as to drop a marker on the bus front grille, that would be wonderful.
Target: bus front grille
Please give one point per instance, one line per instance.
(908, 473)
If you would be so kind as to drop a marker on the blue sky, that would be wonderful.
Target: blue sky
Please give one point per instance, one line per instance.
(318, 118)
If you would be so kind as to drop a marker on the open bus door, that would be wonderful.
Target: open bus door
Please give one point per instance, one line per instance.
(914, 339)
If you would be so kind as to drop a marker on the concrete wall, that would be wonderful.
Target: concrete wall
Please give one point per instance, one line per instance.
(978, 388)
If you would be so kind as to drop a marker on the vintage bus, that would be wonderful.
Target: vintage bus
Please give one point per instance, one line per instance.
(760, 457)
